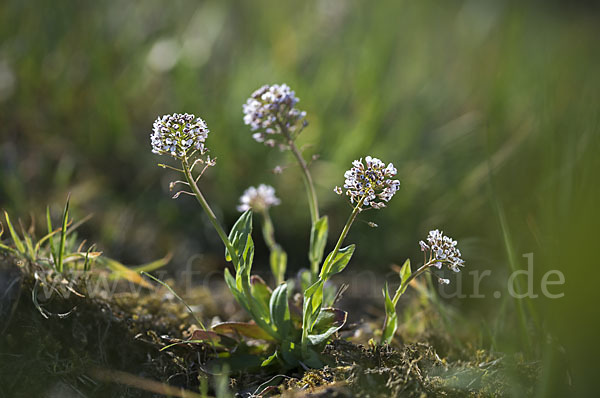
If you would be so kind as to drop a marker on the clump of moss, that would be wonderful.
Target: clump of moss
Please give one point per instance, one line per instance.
(412, 370)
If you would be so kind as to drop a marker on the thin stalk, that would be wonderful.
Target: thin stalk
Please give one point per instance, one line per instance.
(412, 276)
(343, 235)
(313, 203)
(211, 215)
(308, 182)
(399, 292)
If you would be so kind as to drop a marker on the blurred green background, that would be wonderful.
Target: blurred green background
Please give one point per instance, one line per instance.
(489, 110)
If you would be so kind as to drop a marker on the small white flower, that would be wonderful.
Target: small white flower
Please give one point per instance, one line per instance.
(178, 134)
(271, 108)
(442, 250)
(258, 199)
(373, 183)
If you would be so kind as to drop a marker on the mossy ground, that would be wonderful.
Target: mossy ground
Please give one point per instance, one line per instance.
(63, 355)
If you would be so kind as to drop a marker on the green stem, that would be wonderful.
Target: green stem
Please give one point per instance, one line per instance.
(342, 237)
(412, 276)
(211, 215)
(313, 203)
(401, 290)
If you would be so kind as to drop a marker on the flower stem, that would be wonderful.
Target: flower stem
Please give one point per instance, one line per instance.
(313, 203)
(211, 215)
(402, 288)
(342, 237)
(412, 276)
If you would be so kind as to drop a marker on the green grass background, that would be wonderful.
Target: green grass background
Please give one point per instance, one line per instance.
(489, 110)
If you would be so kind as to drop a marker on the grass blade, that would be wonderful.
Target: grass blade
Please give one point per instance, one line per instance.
(87, 264)
(17, 241)
(28, 242)
(122, 271)
(63, 235)
(154, 265)
(50, 234)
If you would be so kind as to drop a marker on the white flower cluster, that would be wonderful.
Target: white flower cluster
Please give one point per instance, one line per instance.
(373, 182)
(442, 249)
(258, 199)
(177, 134)
(271, 108)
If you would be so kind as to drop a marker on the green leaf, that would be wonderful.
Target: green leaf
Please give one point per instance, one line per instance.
(318, 240)
(290, 353)
(305, 279)
(251, 330)
(16, 240)
(247, 257)
(261, 293)
(329, 321)
(237, 294)
(269, 360)
(280, 311)
(405, 273)
(240, 235)
(313, 301)
(391, 318)
(335, 265)
(278, 262)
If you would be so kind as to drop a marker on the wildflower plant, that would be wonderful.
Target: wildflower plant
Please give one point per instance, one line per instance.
(296, 333)
(274, 120)
(439, 250)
